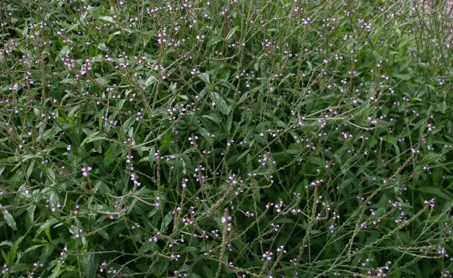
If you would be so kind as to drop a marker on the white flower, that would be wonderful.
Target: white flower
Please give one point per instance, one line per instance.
(85, 171)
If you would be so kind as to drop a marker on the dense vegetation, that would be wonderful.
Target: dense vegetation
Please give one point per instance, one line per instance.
(259, 138)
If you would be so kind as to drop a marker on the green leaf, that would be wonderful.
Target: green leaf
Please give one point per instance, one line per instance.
(92, 138)
(113, 35)
(243, 154)
(48, 234)
(231, 33)
(443, 107)
(107, 18)
(30, 168)
(205, 77)
(435, 191)
(189, 249)
(91, 266)
(151, 80)
(103, 47)
(104, 234)
(403, 76)
(64, 51)
(12, 252)
(44, 226)
(57, 271)
(208, 272)
(9, 218)
(221, 104)
(111, 154)
(166, 142)
(50, 174)
(214, 40)
(162, 266)
(30, 216)
(167, 220)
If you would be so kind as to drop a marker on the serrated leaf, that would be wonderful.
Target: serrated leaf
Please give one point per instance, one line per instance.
(57, 271)
(73, 110)
(50, 174)
(403, 76)
(30, 168)
(92, 138)
(12, 252)
(9, 218)
(64, 51)
(151, 80)
(162, 266)
(214, 40)
(435, 191)
(443, 107)
(205, 77)
(107, 18)
(111, 154)
(30, 216)
(91, 266)
(104, 234)
(231, 33)
(103, 47)
(188, 249)
(112, 35)
(166, 142)
(127, 124)
(221, 104)
(49, 236)
(167, 220)
(152, 156)
(46, 224)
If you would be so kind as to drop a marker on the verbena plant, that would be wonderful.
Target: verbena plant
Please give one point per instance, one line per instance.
(261, 138)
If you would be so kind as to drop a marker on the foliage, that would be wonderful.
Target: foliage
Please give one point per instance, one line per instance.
(223, 138)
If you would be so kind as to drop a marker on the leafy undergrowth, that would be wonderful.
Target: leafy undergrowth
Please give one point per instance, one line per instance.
(225, 139)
